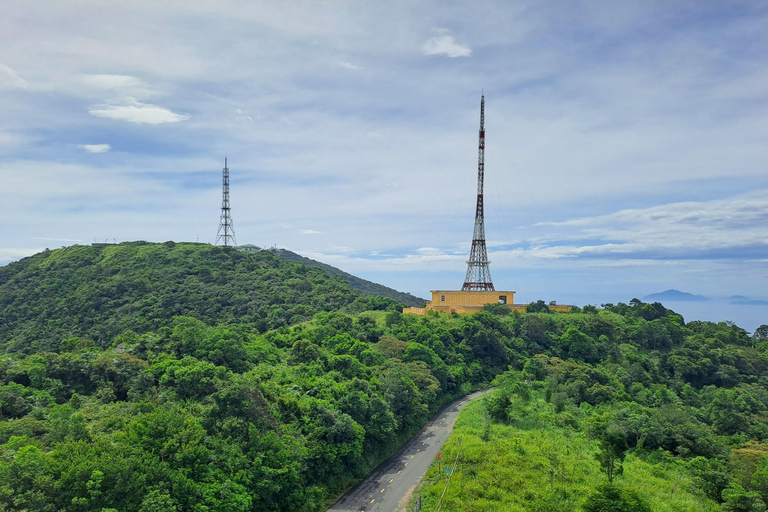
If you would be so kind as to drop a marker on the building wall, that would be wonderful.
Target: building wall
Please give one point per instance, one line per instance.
(468, 302)
(248, 248)
(456, 298)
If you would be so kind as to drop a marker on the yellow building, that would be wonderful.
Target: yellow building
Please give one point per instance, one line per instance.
(462, 302)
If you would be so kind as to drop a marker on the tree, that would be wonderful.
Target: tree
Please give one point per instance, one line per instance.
(736, 499)
(712, 476)
(497, 309)
(537, 307)
(760, 336)
(612, 444)
(304, 352)
(612, 498)
(578, 345)
(158, 501)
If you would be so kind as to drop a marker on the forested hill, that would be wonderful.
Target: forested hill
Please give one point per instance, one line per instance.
(97, 292)
(202, 418)
(363, 285)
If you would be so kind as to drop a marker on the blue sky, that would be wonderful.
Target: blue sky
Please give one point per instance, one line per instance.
(626, 145)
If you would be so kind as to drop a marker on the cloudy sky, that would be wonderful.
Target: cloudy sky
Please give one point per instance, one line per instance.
(626, 146)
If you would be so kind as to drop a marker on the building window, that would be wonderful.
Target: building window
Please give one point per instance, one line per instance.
(442, 298)
(502, 299)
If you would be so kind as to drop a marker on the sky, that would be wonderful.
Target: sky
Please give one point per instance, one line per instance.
(626, 142)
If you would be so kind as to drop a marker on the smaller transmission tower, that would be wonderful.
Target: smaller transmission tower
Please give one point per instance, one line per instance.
(226, 228)
(478, 274)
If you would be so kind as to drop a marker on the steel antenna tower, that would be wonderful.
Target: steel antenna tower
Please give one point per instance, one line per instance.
(478, 274)
(226, 231)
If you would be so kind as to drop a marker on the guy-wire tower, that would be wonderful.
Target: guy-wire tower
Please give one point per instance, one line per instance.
(226, 231)
(478, 274)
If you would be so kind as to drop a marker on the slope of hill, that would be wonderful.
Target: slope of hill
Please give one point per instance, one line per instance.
(675, 295)
(97, 292)
(360, 284)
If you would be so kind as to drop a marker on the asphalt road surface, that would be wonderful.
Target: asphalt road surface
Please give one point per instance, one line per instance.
(389, 487)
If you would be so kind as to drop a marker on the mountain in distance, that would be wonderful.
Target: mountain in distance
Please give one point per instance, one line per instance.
(362, 285)
(741, 300)
(675, 295)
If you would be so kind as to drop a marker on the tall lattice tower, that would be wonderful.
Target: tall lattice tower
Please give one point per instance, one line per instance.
(478, 274)
(226, 228)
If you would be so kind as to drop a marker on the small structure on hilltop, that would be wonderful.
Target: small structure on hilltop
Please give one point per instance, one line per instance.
(250, 248)
(478, 289)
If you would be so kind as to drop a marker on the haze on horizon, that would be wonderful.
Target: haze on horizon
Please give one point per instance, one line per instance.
(626, 147)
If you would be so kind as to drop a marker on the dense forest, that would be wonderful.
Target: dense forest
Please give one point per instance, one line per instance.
(101, 291)
(179, 403)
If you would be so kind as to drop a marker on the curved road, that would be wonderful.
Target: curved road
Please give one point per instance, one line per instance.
(388, 488)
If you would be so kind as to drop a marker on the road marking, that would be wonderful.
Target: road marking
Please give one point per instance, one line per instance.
(407, 463)
(382, 490)
(391, 480)
(417, 451)
(374, 499)
(422, 444)
(428, 439)
(399, 472)
(411, 457)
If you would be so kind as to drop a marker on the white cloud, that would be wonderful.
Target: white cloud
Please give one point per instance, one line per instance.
(429, 251)
(139, 113)
(310, 232)
(686, 226)
(445, 45)
(95, 148)
(10, 80)
(111, 82)
(8, 254)
(585, 118)
(348, 65)
(55, 239)
(675, 235)
(9, 140)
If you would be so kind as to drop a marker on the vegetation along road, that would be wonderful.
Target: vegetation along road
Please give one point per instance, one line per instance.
(389, 486)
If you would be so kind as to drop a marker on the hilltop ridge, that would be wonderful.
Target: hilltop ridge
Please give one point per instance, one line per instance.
(363, 285)
(100, 291)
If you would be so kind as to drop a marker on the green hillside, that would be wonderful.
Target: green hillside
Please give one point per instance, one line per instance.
(358, 283)
(184, 377)
(632, 412)
(537, 463)
(97, 292)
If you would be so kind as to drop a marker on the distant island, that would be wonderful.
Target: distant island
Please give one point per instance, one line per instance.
(675, 295)
(678, 296)
(740, 300)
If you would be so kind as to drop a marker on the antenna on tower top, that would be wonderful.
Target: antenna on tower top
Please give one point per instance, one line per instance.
(226, 231)
(478, 273)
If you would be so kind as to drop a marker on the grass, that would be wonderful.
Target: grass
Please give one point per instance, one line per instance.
(536, 465)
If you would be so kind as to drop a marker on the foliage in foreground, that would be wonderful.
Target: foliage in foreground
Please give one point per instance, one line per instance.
(203, 418)
(196, 417)
(542, 461)
(669, 416)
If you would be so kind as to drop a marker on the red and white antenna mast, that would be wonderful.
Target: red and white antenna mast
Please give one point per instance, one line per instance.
(478, 273)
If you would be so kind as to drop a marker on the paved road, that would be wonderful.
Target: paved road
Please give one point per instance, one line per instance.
(388, 488)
